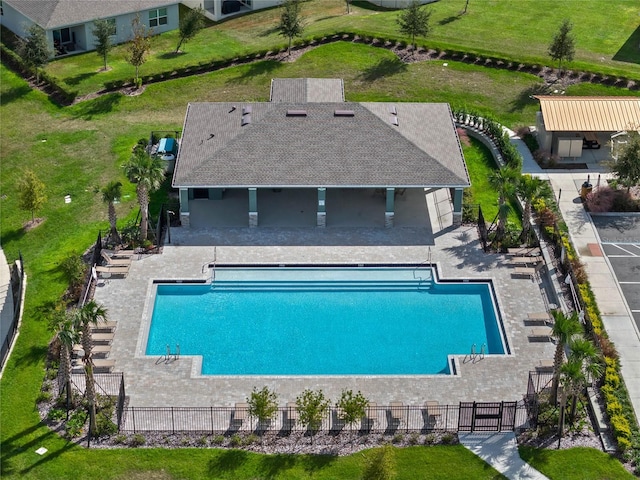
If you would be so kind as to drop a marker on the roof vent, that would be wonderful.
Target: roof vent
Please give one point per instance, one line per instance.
(246, 119)
(394, 120)
(393, 110)
(344, 113)
(246, 109)
(296, 113)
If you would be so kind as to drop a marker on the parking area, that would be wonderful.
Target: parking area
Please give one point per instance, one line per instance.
(620, 241)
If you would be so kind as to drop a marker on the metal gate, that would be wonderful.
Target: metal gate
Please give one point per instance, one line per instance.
(487, 416)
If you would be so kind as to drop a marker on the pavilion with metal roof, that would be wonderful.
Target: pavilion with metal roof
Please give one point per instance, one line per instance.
(308, 137)
(566, 125)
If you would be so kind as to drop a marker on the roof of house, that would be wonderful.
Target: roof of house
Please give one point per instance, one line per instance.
(589, 114)
(330, 144)
(62, 13)
(300, 90)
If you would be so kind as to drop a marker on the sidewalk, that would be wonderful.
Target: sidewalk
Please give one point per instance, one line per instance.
(500, 450)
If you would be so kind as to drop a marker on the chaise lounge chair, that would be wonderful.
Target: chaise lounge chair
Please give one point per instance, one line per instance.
(102, 350)
(109, 270)
(544, 366)
(433, 414)
(240, 413)
(543, 318)
(398, 412)
(525, 260)
(102, 337)
(292, 413)
(540, 333)
(119, 253)
(115, 261)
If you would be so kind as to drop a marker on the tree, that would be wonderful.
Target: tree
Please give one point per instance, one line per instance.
(90, 314)
(352, 407)
(190, 24)
(103, 30)
(528, 189)
(34, 49)
(348, 2)
(291, 23)
(147, 173)
(312, 407)
(263, 404)
(586, 356)
(68, 336)
(504, 181)
(562, 47)
(626, 167)
(32, 193)
(414, 21)
(110, 194)
(564, 328)
(139, 46)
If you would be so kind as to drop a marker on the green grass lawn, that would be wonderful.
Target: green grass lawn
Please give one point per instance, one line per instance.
(510, 29)
(76, 150)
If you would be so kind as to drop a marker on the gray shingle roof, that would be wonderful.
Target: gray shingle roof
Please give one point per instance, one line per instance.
(320, 149)
(301, 90)
(60, 13)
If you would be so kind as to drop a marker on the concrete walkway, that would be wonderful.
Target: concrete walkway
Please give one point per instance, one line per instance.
(500, 450)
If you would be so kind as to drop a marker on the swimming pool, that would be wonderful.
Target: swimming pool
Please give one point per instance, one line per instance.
(325, 321)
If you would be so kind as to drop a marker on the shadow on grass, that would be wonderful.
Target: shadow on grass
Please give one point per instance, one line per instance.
(314, 463)
(525, 97)
(170, 55)
(14, 94)
(629, 51)
(12, 235)
(449, 19)
(79, 78)
(12, 447)
(269, 31)
(98, 106)
(384, 68)
(272, 465)
(31, 355)
(227, 461)
(252, 70)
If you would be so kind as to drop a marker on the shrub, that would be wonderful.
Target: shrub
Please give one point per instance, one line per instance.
(217, 440)
(75, 423)
(397, 438)
(250, 439)
(56, 414)
(104, 425)
(120, 439)
(202, 441)
(414, 438)
(235, 441)
(137, 440)
(600, 200)
(621, 426)
(43, 397)
(448, 439)
(430, 439)
(73, 269)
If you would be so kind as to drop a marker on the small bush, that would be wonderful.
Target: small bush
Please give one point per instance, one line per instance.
(397, 438)
(414, 438)
(56, 414)
(430, 439)
(120, 439)
(235, 441)
(202, 441)
(137, 440)
(75, 424)
(217, 440)
(104, 425)
(448, 439)
(600, 200)
(43, 397)
(250, 440)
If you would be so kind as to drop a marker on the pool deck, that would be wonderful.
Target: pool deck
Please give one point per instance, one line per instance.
(457, 252)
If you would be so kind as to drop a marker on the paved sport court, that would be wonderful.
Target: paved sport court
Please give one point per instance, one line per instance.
(620, 241)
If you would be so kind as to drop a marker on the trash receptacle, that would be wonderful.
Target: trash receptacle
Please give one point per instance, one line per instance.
(585, 190)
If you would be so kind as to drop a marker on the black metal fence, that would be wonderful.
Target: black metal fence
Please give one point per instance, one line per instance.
(17, 289)
(387, 419)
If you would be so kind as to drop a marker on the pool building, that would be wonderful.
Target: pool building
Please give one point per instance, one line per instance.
(308, 140)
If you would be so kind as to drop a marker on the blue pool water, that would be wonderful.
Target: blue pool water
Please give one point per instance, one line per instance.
(360, 321)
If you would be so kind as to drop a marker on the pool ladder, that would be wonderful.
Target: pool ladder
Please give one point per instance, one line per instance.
(474, 355)
(212, 265)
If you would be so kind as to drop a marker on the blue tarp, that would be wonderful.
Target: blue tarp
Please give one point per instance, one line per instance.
(167, 145)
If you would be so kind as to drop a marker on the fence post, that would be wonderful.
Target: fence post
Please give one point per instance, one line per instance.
(173, 426)
(211, 412)
(133, 419)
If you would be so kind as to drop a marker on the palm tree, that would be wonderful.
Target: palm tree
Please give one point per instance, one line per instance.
(564, 328)
(585, 354)
(504, 181)
(90, 314)
(68, 336)
(110, 194)
(147, 173)
(528, 189)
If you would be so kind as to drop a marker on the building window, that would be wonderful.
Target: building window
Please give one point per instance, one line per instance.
(112, 24)
(158, 17)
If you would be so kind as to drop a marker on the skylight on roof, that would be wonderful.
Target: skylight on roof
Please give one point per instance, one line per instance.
(393, 110)
(246, 109)
(344, 113)
(246, 119)
(394, 120)
(296, 113)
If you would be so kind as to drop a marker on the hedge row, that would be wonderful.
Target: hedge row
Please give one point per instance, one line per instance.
(494, 131)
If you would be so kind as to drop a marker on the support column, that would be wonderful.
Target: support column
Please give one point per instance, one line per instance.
(457, 206)
(321, 216)
(184, 207)
(253, 207)
(389, 213)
